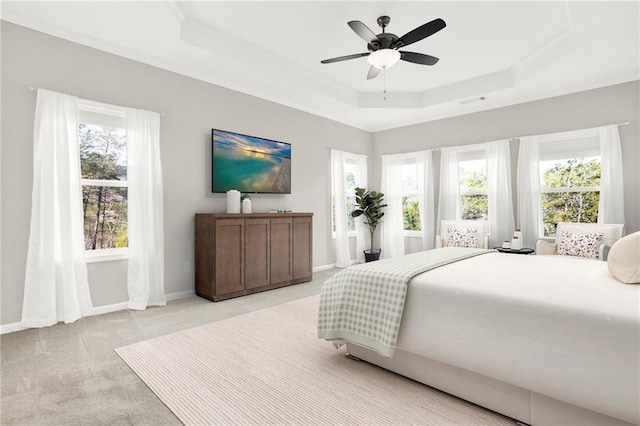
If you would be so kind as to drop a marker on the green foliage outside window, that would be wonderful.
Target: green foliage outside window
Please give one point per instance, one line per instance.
(474, 205)
(103, 157)
(411, 214)
(580, 206)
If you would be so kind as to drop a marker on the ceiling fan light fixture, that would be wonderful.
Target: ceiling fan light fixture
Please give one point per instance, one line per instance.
(384, 58)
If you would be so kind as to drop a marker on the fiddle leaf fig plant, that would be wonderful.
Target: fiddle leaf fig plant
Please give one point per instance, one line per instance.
(369, 204)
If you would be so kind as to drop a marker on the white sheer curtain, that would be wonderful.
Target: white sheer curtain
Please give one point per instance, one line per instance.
(501, 223)
(362, 232)
(611, 204)
(424, 165)
(392, 226)
(449, 202)
(56, 286)
(529, 195)
(145, 211)
(338, 177)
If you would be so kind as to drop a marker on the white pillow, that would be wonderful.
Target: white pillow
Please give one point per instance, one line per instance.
(624, 259)
(465, 237)
(581, 245)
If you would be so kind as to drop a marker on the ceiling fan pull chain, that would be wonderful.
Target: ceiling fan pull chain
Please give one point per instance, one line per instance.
(384, 82)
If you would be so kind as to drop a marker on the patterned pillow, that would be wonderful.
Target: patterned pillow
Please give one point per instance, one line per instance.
(467, 237)
(582, 245)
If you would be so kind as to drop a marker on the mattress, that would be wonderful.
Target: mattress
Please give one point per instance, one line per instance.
(556, 325)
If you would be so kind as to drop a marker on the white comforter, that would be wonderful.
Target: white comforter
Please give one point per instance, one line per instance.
(559, 326)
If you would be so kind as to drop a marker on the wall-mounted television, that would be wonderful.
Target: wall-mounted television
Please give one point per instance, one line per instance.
(249, 164)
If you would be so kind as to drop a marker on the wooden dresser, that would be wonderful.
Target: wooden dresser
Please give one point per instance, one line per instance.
(239, 254)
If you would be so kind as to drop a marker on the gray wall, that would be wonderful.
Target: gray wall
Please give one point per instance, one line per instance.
(592, 108)
(190, 109)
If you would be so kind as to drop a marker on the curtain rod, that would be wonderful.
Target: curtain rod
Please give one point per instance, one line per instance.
(33, 89)
(567, 131)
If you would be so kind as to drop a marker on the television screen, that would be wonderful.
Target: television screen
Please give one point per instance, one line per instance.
(249, 164)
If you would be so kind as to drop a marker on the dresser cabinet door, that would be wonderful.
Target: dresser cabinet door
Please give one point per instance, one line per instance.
(302, 243)
(281, 253)
(229, 256)
(257, 260)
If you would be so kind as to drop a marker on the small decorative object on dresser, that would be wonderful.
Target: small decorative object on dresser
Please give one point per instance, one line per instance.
(233, 201)
(245, 200)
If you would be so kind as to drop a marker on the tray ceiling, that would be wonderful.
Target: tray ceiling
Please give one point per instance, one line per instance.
(492, 54)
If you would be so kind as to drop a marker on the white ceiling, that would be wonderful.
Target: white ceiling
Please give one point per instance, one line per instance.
(507, 52)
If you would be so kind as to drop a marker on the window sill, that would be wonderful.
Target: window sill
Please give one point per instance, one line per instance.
(108, 255)
(413, 234)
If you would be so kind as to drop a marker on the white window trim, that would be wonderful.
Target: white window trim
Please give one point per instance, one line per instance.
(101, 108)
(413, 234)
(106, 255)
(570, 189)
(103, 182)
(112, 254)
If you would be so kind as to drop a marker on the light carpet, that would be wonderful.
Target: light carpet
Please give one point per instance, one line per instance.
(268, 367)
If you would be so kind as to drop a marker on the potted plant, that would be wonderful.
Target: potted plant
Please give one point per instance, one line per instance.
(245, 200)
(369, 204)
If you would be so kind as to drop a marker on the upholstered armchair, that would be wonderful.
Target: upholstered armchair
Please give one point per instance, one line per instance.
(463, 233)
(588, 240)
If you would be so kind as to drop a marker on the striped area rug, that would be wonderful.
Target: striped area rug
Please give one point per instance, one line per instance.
(268, 367)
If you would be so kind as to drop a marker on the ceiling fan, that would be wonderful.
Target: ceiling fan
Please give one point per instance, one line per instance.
(383, 48)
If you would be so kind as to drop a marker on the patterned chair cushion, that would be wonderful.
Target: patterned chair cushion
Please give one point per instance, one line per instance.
(465, 237)
(579, 244)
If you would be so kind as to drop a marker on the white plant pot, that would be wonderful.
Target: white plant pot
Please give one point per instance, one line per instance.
(246, 206)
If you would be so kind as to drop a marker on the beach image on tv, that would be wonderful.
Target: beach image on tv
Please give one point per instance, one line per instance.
(250, 164)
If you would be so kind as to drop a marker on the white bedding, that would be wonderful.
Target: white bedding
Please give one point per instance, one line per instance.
(558, 326)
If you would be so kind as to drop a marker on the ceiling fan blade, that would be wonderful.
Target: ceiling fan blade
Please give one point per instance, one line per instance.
(418, 58)
(373, 72)
(364, 32)
(344, 58)
(421, 32)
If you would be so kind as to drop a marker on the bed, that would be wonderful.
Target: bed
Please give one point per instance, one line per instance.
(546, 340)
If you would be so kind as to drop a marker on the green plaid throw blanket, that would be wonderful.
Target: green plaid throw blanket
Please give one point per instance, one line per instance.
(363, 304)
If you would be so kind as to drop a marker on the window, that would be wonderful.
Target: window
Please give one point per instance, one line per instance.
(355, 171)
(474, 195)
(569, 180)
(103, 164)
(410, 205)
(351, 172)
(351, 183)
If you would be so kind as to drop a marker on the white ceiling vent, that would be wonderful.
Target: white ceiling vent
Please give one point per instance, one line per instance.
(474, 99)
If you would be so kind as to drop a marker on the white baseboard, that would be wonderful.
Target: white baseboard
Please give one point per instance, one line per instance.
(99, 310)
(323, 267)
(180, 295)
